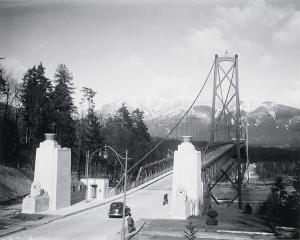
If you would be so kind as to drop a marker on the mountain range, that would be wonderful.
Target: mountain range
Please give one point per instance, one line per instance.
(269, 123)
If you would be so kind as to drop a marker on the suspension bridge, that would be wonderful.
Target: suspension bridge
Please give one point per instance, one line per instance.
(223, 138)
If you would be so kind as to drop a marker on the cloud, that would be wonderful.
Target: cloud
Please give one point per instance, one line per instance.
(208, 41)
(289, 33)
(133, 60)
(247, 28)
(14, 66)
(266, 38)
(131, 52)
(254, 20)
(268, 60)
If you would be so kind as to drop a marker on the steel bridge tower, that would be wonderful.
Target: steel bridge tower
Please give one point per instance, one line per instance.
(226, 123)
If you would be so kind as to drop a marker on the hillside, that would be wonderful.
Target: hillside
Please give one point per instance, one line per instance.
(14, 182)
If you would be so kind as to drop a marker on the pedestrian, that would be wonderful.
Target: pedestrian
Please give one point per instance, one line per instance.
(165, 201)
(247, 209)
(130, 221)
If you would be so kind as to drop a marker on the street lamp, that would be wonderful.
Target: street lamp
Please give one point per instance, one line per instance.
(245, 124)
(88, 158)
(104, 153)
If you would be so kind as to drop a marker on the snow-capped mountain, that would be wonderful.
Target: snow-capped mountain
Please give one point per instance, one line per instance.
(281, 115)
(152, 107)
(269, 123)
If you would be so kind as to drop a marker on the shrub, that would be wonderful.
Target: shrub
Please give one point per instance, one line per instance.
(190, 233)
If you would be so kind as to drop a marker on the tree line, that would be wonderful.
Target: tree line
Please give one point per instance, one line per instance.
(272, 162)
(41, 105)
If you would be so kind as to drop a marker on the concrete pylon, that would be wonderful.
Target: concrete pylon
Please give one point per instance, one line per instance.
(187, 186)
(53, 172)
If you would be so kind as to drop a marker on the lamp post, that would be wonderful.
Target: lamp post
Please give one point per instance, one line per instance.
(105, 156)
(125, 183)
(88, 158)
(124, 200)
(245, 124)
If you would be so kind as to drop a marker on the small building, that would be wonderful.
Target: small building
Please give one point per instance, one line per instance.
(98, 188)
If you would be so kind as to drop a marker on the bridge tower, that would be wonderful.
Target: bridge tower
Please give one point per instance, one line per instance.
(226, 123)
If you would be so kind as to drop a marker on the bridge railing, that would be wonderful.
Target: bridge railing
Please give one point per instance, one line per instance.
(220, 165)
(160, 165)
(157, 169)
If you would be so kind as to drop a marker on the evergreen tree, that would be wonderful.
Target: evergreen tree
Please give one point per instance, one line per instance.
(140, 127)
(119, 134)
(37, 107)
(127, 130)
(89, 130)
(119, 130)
(141, 140)
(64, 124)
(124, 118)
(94, 136)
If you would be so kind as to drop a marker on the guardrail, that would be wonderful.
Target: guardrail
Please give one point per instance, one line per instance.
(155, 166)
(141, 181)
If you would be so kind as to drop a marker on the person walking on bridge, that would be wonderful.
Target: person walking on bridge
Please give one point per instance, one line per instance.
(165, 200)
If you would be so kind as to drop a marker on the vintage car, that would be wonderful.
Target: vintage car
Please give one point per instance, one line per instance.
(116, 209)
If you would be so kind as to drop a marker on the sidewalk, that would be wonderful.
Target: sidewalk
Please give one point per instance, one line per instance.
(159, 229)
(233, 224)
(21, 222)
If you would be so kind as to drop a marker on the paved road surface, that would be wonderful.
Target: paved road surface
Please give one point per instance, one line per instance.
(95, 224)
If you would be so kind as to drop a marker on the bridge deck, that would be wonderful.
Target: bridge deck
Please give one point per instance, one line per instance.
(212, 156)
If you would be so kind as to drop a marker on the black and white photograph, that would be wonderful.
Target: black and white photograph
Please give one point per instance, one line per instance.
(149, 119)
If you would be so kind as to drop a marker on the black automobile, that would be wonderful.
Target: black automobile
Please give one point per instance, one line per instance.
(116, 209)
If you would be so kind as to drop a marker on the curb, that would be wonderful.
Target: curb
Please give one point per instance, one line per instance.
(246, 233)
(131, 191)
(203, 233)
(13, 231)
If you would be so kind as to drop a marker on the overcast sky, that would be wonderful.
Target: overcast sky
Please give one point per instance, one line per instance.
(160, 49)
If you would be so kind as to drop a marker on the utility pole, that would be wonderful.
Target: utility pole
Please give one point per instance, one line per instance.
(247, 152)
(213, 109)
(1, 78)
(124, 200)
(87, 157)
(237, 130)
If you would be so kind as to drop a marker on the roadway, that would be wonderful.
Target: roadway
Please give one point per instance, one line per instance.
(95, 224)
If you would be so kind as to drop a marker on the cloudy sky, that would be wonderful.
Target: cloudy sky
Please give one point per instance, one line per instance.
(159, 49)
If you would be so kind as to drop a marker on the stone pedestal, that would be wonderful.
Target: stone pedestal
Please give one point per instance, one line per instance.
(53, 172)
(187, 186)
(35, 204)
(52, 178)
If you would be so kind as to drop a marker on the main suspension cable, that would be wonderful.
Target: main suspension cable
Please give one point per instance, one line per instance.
(177, 124)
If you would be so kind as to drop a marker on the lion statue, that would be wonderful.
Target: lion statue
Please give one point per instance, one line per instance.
(36, 190)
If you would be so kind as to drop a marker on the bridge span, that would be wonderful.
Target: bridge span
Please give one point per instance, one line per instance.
(144, 203)
(225, 125)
